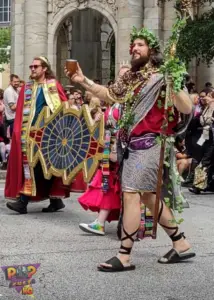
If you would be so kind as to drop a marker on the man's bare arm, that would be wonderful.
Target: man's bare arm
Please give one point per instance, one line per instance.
(97, 90)
(12, 106)
(182, 102)
(101, 92)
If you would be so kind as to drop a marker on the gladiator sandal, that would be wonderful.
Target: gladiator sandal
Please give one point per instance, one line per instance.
(123, 249)
(173, 256)
(114, 264)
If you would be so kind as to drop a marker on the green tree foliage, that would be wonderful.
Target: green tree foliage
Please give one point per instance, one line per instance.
(193, 2)
(5, 41)
(197, 37)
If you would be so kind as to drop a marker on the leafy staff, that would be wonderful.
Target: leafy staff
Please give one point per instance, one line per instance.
(173, 70)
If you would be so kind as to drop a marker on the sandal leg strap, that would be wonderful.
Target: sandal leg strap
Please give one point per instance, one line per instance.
(127, 250)
(177, 237)
(173, 236)
(129, 236)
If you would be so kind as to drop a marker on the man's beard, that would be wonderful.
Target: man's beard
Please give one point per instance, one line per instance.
(35, 77)
(139, 63)
(15, 87)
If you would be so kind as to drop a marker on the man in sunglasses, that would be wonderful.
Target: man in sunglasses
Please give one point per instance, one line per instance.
(21, 185)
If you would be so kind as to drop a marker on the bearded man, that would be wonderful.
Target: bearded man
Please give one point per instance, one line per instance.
(22, 184)
(142, 91)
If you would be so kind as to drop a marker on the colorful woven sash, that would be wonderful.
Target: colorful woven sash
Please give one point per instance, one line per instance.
(105, 162)
(146, 223)
(27, 186)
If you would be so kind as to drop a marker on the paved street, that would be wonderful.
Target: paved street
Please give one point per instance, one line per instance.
(69, 257)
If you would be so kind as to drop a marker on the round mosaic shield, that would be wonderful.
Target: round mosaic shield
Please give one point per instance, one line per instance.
(67, 142)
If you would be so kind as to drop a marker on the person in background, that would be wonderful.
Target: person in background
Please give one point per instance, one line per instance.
(4, 147)
(97, 81)
(2, 108)
(72, 102)
(196, 104)
(208, 85)
(78, 98)
(22, 184)
(110, 83)
(106, 203)
(4, 141)
(11, 95)
(22, 83)
(193, 134)
(203, 176)
(183, 160)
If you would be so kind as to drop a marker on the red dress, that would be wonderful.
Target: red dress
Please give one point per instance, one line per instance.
(95, 198)
(78, 185)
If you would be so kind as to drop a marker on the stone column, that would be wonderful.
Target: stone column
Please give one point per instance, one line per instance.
(204, 73)
(169, 17)
(17, 37)
(154, 17)
(130, 13)
(36, 31)
(106, 35)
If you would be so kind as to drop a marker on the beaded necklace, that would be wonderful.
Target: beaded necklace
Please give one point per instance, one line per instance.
(132, 98)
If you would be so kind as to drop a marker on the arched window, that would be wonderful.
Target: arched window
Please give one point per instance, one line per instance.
(5, 11)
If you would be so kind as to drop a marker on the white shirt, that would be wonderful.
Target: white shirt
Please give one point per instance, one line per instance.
(10, 98)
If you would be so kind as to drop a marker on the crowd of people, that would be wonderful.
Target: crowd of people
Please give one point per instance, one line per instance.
(128, 171)
(196, 147)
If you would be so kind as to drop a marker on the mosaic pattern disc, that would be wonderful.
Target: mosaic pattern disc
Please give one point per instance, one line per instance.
(67, 142)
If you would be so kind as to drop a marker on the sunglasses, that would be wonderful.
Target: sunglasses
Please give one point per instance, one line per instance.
(34, 67)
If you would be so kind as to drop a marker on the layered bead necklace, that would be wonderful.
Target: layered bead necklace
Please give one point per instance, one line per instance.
(131, 100)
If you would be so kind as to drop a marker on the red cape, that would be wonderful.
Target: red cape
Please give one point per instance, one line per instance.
(15, 175)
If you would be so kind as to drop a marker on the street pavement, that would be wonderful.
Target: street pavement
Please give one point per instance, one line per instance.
(68, 257)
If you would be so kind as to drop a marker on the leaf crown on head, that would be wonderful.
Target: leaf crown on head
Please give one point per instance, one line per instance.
(147, 35)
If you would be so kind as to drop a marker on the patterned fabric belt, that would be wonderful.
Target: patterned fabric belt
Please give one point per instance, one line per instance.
(143, 142)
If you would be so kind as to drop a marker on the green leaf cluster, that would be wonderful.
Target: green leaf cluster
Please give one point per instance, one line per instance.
(146, 34)
(5, 41)
(127, 120)
(176, 70)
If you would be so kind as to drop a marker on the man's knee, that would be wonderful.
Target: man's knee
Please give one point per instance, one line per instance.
(148, 197)
(131, 198)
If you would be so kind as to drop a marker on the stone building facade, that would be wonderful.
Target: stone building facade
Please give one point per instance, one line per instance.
(87, 30)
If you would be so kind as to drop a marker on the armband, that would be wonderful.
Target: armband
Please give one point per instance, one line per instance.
(88, 81)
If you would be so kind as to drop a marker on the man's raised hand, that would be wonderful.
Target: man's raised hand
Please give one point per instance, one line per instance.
(77, 77)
